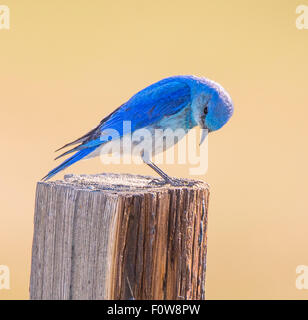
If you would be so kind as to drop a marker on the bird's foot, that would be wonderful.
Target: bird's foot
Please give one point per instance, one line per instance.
(174, 182)
(179, 182)
(158, 182)
(171, 181)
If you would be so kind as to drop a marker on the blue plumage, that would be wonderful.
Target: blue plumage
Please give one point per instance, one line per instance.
(68, 162)
(205, 104)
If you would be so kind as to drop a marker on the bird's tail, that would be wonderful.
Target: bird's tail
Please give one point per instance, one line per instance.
(68, 162)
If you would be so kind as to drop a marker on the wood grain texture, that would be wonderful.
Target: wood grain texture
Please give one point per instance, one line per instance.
(114, 236)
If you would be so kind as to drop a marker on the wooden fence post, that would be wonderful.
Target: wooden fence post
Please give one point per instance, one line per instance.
(114, 236)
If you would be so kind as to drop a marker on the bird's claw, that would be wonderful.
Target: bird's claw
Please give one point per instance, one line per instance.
(180, 183)
(158, 182)
(173, 182)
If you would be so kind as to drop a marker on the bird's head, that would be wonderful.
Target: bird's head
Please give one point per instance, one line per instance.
(213, 106)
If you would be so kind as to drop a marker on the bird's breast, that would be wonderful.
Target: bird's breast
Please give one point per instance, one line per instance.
(153, 139)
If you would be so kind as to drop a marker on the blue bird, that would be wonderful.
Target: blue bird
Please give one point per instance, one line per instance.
(174, 102)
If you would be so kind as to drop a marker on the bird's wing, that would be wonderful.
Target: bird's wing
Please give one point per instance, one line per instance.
(150, 105)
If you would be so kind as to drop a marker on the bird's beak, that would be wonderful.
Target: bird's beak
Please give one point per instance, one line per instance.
(204, 133)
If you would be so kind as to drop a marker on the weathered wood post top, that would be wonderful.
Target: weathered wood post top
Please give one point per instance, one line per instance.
(111, 236)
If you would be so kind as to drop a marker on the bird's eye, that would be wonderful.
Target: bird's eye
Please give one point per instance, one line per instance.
(206, 103)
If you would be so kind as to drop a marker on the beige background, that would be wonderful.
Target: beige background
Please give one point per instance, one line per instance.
(66, 64)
